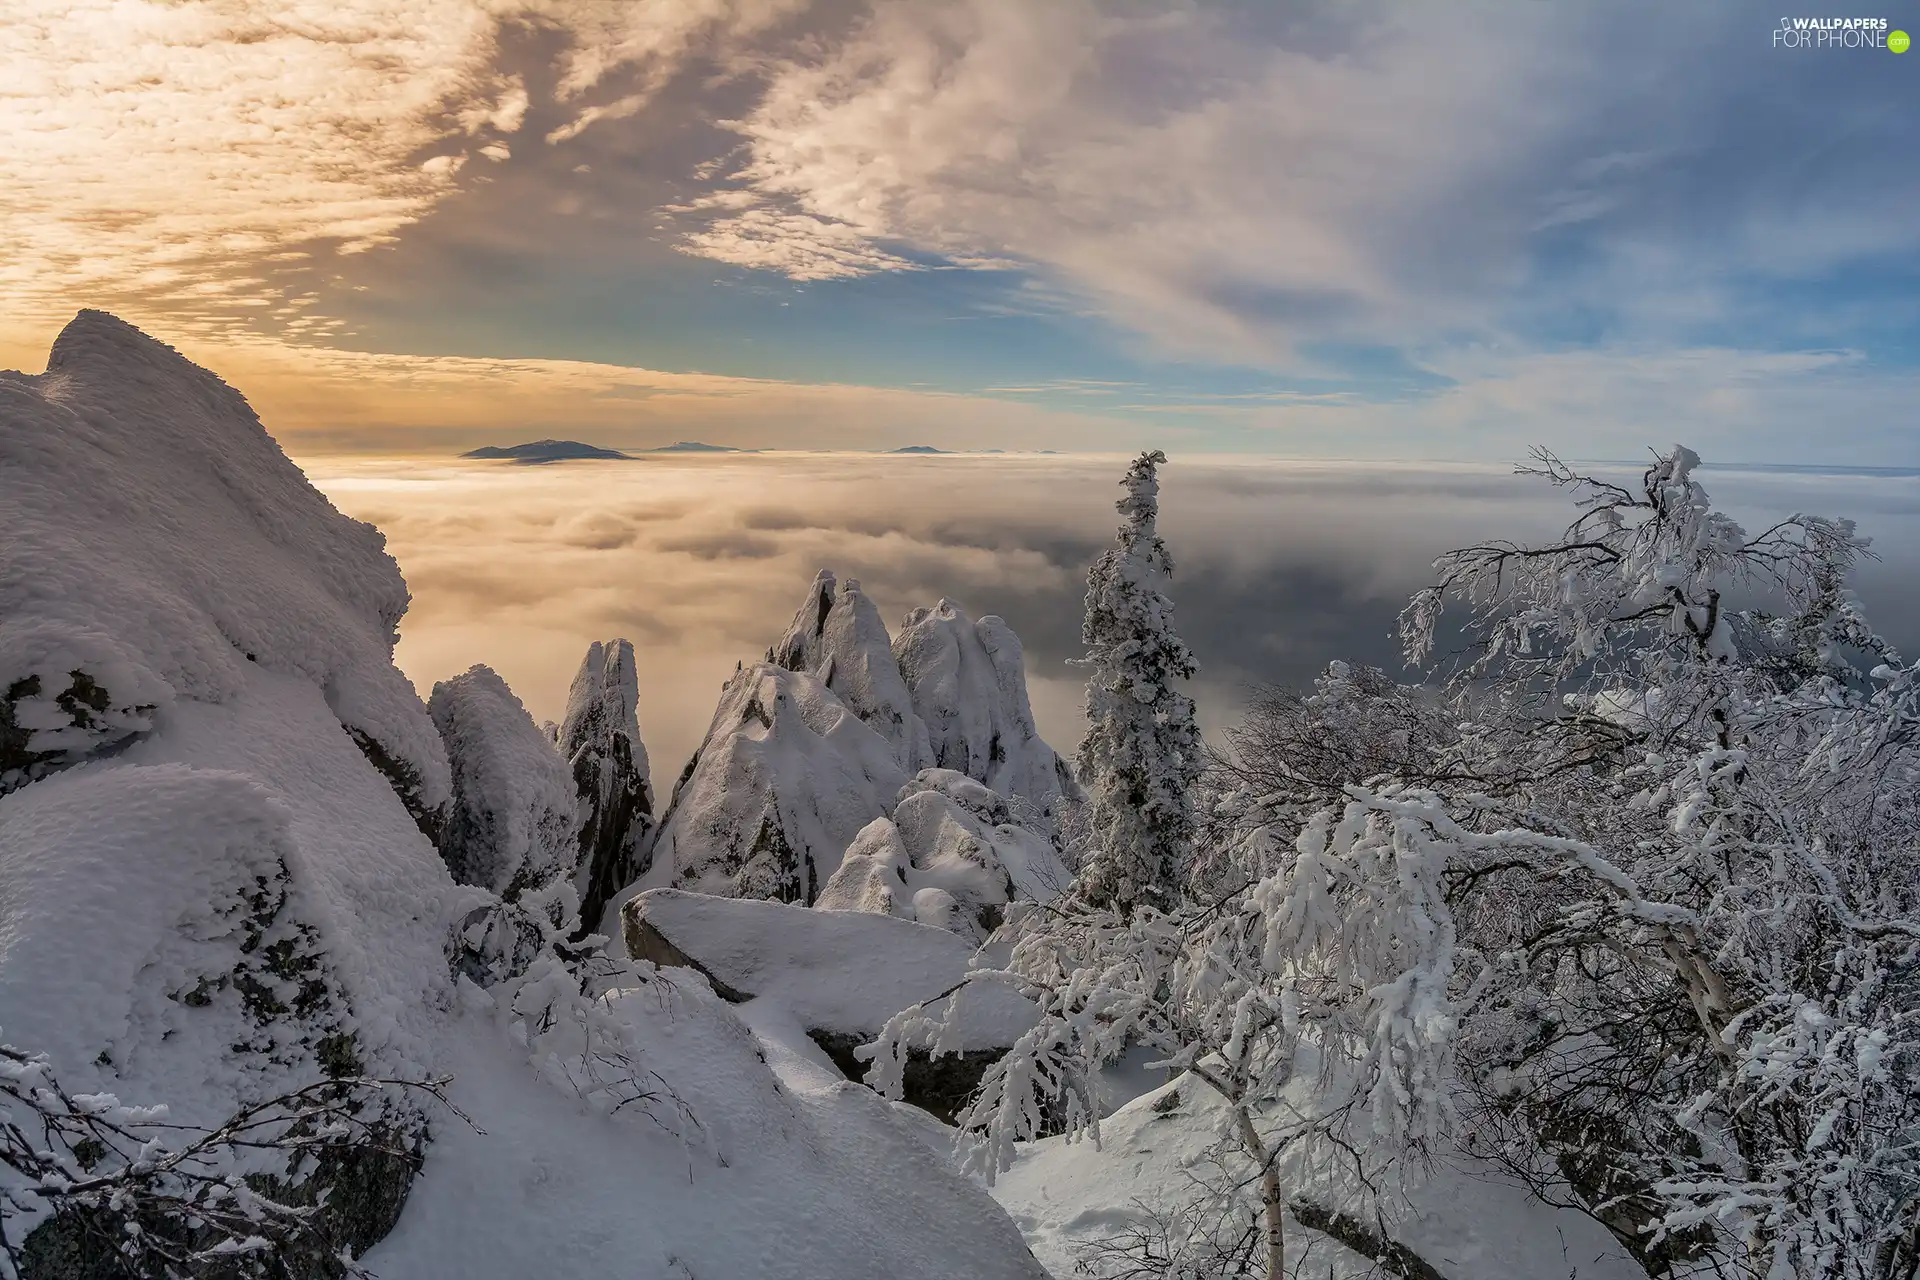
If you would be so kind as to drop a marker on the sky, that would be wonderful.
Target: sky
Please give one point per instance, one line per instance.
(1280, 566)
(1311, 230)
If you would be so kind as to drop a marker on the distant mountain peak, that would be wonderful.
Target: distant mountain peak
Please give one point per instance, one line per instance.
(917, 448)
(694, 446)
(539, 451)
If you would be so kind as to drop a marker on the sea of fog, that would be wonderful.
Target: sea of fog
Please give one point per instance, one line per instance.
(701, 561)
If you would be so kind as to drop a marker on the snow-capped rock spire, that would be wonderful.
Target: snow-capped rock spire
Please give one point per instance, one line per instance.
(600, 741)
(511, 827)
(968, 683)
(838, 636)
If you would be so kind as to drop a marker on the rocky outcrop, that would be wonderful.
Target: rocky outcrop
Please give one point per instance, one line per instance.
(600, 741)
(784, 780)
(838, 636)
(968, 684)
(511, 826)
(159, 941)
(158, 546)
(840, 975)
(949, 855)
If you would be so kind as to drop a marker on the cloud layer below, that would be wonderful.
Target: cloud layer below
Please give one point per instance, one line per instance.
(701, 562)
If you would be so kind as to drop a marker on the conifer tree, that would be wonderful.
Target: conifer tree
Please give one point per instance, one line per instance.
(1141, 756)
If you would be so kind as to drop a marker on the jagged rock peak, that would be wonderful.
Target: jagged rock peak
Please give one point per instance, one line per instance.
(784, 780)
(837, 635)
(600, 741)
(512, 824)
(968, 683)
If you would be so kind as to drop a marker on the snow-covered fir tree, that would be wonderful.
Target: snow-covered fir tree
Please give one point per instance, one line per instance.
(1141, 756)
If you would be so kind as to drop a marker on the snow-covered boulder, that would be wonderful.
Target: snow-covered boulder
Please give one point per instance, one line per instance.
(158, 546)
(512, 824)
(784, 780)
(600, 741)
(838, 636)
(840, 975)
(949, 855)
(161, 938)
(875, 874)
(968, 684)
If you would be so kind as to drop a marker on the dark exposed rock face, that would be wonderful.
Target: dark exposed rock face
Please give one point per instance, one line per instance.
(406, 783)
(83, 709)
(365, 1188)
(941, 1086)
(646, 942)
(600, 740)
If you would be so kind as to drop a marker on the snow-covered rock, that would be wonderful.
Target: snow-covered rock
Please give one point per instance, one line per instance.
(874, 875)
(236, 906)
(968, 684)
(158, 546)
(834, 970)
(785, 779)
(949, 855)
(838, 636)
(512, 824)
(838, 976)
(600, 740)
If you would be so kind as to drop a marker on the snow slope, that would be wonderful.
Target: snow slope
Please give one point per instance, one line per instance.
(801, 1183)
(1462, 1219)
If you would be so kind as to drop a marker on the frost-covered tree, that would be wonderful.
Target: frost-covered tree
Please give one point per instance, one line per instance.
(1142, 755)
(1710, 1033)
(1342, 963)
